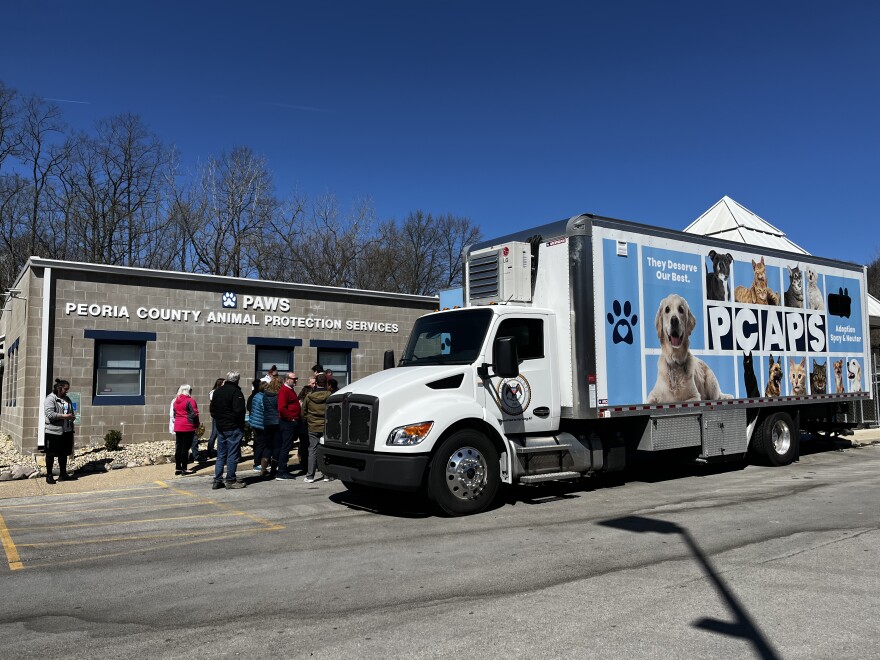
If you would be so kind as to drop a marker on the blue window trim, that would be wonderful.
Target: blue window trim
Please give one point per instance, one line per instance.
(274, 342)
(11, 400)
(120, 337)
(332, 343)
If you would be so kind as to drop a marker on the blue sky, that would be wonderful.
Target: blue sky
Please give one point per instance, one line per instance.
(513, 114)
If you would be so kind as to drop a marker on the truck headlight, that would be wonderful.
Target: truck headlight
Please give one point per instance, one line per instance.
(411, 434)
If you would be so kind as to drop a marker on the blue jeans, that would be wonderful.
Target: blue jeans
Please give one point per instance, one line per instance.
(228, 445)
(213, 437)
(289, 432)
(195, 449)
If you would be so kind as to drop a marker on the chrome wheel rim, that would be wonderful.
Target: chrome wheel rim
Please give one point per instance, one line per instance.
(781, 436)
(466, 472)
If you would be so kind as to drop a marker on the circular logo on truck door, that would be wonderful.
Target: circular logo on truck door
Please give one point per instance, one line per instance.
(515, 395)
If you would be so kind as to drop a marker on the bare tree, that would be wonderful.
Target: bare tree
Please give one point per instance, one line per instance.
(114, 187)
(454, 234)
(424, 252)
(234, 198)
(9, 112)
(43, 152)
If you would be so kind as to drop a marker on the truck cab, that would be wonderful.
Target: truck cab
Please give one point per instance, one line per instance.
(469, 380)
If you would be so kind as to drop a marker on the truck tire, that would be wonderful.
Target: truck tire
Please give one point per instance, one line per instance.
(464, 474)
(776, 439)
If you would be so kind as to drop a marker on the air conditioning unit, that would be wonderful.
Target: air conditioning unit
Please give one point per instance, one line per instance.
(500, 274)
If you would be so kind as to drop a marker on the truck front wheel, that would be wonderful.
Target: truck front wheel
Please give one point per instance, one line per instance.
(464, 474)
(776, 439)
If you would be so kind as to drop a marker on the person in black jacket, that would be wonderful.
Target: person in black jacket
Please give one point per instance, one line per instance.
(228, 409)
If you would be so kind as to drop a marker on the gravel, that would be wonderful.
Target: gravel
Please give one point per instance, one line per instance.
(89, 459)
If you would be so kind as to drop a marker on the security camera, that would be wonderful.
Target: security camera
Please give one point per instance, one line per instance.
(13, 293)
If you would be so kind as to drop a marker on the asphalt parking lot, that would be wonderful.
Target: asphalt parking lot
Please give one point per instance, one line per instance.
(96, 525)
(732, 561)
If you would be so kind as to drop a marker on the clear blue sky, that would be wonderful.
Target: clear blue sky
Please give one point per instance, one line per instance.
(513, 114)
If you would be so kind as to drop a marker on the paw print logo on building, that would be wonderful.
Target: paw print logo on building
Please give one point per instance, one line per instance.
(623, 321)
(230, 299)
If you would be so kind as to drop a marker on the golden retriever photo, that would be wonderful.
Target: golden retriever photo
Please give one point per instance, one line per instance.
(680, 375)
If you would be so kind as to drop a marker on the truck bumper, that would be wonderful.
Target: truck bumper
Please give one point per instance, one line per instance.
(380, 470)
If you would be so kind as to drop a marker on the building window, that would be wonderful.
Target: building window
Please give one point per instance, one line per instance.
(270, 351)
(529, 336)
(120, 367)
(11, 368)
(267, 357)
(336, 356)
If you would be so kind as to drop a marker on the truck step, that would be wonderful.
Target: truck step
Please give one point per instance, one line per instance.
(542, 448)
(551, 476)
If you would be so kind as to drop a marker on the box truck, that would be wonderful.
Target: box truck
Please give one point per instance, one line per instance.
(586, 342)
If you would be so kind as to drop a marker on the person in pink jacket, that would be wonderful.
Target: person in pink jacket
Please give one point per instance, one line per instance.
(186, 422)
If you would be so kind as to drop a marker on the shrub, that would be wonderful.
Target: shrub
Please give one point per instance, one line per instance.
(112, 439)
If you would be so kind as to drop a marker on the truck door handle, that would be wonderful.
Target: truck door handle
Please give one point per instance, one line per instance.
(542, 412)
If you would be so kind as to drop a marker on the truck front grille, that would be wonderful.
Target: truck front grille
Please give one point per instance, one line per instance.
(350, 421)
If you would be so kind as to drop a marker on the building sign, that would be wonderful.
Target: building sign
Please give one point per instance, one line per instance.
(256, 311)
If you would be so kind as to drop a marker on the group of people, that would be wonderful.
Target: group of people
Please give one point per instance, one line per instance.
(277, 415)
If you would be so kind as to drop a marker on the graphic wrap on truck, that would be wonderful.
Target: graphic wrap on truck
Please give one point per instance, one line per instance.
(683, 322)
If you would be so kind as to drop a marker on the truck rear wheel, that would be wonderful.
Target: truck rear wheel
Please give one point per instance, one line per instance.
(464, 474)
(776, 439)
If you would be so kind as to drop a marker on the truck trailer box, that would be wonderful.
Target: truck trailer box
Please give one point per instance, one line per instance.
(663, 320)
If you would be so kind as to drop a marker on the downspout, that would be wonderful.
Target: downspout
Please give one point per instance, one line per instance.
(44, 353)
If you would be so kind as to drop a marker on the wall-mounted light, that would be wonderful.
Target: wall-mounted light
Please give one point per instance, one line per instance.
(11, 294)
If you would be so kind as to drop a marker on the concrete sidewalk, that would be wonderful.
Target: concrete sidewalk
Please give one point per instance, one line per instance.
(115, 479)
(127, 477)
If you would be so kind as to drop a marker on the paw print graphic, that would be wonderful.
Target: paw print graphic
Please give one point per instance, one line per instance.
(622, 321)
(230, 299)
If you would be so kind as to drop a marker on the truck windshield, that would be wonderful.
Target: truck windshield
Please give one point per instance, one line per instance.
(447, 338)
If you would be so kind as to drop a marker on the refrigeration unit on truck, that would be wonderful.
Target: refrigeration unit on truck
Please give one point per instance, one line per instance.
(590, 340)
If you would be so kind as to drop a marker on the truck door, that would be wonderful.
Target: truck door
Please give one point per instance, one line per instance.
(528, 403)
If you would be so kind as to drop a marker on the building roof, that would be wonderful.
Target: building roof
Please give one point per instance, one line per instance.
(184, 278)
(730, 220)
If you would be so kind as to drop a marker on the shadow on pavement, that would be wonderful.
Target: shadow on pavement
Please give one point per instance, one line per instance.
(384, 502)
(742, 625)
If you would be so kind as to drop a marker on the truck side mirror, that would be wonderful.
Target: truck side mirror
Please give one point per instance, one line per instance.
(388, 361)
(506, 363)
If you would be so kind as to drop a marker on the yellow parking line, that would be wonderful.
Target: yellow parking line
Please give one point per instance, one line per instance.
(125, 522)
(9, 546)
(143, 537)
(152, 507)
(257, 519)
(204, 539)
(45, 505)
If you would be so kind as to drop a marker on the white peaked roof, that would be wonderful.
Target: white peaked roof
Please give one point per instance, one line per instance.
(730, 220)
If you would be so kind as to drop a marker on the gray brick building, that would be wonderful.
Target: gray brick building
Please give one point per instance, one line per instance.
(127, 338)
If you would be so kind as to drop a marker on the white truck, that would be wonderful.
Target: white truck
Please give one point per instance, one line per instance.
(587, 341)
